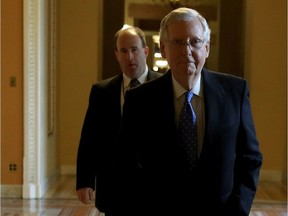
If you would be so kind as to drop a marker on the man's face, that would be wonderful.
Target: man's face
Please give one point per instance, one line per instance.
(185, 50)
(130, 54)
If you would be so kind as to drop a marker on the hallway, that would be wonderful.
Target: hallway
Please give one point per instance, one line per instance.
(61, 200)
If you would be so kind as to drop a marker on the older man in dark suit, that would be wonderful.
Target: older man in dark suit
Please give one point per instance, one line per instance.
(155, 174)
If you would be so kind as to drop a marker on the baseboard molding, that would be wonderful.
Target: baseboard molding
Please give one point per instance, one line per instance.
(265, 175)
(16, 191)
(11, 191)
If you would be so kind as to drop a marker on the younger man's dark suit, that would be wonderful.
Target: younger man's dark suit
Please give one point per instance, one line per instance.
(99, 131)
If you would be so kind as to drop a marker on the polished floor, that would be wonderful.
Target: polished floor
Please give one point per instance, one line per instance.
(61, 200)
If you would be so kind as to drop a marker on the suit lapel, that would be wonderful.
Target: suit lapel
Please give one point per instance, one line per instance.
(214, 106)
(152, 75)
(115, 91)
(168, 106)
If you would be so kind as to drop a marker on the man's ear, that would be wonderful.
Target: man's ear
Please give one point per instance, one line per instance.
(146, 51)
(162, 50)
(116, 54)
(207, 48)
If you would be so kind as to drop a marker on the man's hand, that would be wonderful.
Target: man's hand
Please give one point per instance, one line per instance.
(86, 195)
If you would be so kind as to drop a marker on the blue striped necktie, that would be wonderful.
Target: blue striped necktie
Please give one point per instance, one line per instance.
(188, 131)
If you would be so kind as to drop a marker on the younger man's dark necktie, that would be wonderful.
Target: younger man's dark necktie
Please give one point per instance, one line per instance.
(133, 83)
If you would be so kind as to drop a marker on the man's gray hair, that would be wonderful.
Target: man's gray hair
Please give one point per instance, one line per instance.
(185, 14)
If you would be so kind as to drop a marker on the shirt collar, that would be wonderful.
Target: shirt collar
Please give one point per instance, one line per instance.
(141, 79)
(179, 90)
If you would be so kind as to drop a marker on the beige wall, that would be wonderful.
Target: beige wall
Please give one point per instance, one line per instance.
(79, 48)
(266, 70)
(11, 97)
(78, 65)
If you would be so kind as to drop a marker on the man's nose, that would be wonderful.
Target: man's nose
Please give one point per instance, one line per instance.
(129, 55)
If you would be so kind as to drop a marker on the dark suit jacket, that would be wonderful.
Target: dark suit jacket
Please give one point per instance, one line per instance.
(152, 173)
(99, 131)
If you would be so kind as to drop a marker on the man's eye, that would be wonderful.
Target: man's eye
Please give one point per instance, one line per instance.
(123, 51)
(195, 41)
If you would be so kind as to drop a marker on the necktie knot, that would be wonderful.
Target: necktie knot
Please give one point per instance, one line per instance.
(133, 83)
(188, 96)
(187, 103)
